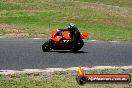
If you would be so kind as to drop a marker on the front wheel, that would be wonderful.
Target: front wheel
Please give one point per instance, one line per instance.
(46, 47)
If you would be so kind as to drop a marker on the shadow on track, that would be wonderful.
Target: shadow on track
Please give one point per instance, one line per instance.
(70, 52)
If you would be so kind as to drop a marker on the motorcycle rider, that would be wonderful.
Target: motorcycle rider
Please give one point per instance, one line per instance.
(74, 34)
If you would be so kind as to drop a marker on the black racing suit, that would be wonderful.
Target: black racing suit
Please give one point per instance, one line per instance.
(74, 34)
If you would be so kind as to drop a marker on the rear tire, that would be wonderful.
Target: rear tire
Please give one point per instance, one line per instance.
(77, 46)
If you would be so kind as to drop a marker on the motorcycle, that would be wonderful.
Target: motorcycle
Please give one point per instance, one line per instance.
(59, 41)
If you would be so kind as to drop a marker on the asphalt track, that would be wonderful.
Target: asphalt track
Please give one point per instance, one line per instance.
(17, 54)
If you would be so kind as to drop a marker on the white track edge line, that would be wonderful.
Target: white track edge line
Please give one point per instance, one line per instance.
(61, 69)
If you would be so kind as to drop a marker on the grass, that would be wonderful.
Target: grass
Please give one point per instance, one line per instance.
(56, 80)
(104, 19)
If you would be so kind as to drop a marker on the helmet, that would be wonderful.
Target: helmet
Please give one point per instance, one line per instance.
(71, 26)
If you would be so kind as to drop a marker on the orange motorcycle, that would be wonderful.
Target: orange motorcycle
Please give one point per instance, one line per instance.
(58, 41)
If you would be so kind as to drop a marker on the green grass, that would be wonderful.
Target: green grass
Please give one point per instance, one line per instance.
(102, 18)
(56, 80)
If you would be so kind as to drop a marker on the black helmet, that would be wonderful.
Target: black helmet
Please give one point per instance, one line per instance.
(71, 26)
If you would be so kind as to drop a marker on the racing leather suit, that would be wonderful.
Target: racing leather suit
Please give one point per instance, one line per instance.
(74, 34)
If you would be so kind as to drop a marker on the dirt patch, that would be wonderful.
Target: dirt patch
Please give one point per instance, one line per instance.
(12, 31)
(17, 35)
(112, 10)
(108, 9)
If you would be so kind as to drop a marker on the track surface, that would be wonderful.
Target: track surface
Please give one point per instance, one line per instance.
(17, 54)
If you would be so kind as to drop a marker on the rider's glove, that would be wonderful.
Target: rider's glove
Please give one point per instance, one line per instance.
(65, 41)
(57, 30)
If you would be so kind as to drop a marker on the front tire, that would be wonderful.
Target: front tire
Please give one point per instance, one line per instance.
(46, 47)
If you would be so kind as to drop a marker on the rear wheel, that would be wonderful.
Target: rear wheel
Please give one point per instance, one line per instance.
(77, 46)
